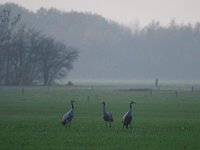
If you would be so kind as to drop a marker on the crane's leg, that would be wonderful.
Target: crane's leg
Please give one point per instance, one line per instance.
(130, 126)
(110, 124)
(126, 125)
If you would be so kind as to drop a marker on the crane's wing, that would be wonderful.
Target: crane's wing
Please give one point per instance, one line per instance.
(107, 116)
(127, 118)
(110, 116)
(123, 118)
(67, 117)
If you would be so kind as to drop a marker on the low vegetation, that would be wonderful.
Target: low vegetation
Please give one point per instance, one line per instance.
(30, 119)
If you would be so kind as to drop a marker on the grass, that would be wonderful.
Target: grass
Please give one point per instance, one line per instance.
(30, 119)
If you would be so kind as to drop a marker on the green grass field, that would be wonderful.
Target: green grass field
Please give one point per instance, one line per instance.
(30, 119)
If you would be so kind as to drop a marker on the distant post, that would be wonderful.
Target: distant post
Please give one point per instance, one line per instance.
(156, 82)
(176, 93)
(192, 88)
(88, 98)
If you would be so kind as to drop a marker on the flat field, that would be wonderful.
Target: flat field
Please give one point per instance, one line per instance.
(163, 119)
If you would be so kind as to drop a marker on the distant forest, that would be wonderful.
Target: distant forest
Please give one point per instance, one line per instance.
(108, 50)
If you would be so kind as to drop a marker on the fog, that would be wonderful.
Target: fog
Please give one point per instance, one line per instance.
(127, 11)
(109, 50)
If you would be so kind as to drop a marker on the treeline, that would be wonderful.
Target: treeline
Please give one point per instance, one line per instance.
(110, 50)
(170, 52)
(28, 57)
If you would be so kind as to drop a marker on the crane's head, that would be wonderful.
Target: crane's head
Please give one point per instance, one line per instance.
(72, 101)
(103, 102)
(132, 102)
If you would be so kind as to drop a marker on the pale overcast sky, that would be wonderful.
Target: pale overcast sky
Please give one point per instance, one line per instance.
(125, 11)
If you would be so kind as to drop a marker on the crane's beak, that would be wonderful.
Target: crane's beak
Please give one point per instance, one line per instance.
(133, 102)
(72, 101)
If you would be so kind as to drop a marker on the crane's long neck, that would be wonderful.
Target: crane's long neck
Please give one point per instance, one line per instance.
(104, 110)
(130, 108)
(72, 106)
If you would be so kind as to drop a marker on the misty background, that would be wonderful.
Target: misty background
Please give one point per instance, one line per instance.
(109, 50)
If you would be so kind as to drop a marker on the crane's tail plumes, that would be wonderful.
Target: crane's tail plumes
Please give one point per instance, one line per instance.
(111, 117)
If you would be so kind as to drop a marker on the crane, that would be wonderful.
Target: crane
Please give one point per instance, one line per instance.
(67, 117)
(127, 118)
(107, 116)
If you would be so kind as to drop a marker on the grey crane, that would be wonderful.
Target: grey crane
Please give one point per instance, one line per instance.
(107, 116)
(127, 118)
(67, 117)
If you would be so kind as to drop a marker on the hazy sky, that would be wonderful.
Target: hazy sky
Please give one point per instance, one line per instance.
(126, 11)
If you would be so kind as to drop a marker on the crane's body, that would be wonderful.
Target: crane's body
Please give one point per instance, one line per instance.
(67, 117)
(127, 118)
(107, 116)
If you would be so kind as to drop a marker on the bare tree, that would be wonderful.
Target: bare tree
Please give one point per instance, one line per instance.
(21, 56)
(56, 59)
(26, 55)
(6, 29)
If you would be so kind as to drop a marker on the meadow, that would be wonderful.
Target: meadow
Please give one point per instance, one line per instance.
(163, 119)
